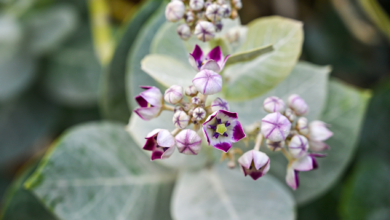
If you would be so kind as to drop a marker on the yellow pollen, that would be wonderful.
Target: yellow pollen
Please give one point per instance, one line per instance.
(221, 129)
(149, 105)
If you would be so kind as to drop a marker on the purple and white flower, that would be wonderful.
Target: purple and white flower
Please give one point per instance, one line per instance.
(174, 11)
(214, 60)
(275, 127)
(219, 104)
(319, 131)
(184, 31)
(188, 142)
(298, 146)
(161, 143)
(180, 119)
(302, 126)
(318, 146)
(191, 91)
(222, 129)
(196, 5)
(254, 163)
(173, 94)
(150, 101)
(204, 31)
(305, 163)
(297, 104)
(196, 100)
(273, 104)
(275, 146)
(198, 114)
(225, 11)
(207, 82)
(214, 13)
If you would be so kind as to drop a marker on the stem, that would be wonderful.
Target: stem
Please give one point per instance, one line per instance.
(174, 132)
(259, 140)
(196, 127)
(203, 98)
(208, 109)
(168, 107)
(286, 154)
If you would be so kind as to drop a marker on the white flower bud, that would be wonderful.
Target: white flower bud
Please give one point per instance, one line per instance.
(220, 2)
(225, 11)
(275, 146)
(218, 26)
(174, 11)
(237, 4)
(178, 108)
(199, 114)
(191, 91)
(298, 146)
(297, 104)
(174, 94)
(207, 4)
(195, 100)
(196, 5)
(204, 31)
(213, 13)
(184, 31)
(319, 131)
(290, 114)
(180, 119)
(188, 142)
(189, 17)
(273, 104)
(219, 104)
(302, 126)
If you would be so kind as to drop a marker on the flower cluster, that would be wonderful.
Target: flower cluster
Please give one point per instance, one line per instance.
(201, 17)
(220, 127)
(286, 130)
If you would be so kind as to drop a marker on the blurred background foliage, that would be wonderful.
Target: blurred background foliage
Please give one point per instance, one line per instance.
(60, 58)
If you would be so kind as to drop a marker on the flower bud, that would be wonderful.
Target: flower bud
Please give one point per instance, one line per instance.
(213, 12)
(319, 131)
(289, 114)
(225, 11)
(275, 127)
(189, 17)
(150, 102)
(219, 104)
(297, 104)
(218, 26)
(237, 4)
(174, 94)
(178, 108)
(298, 146)
(317, 146)
(161, 143)
(174, 11)
(191, 91)
(195, 100)
(207, 82)
(302, 126)
(180, 119)
(221, 2)
(199, 114)
(196, 5)
(254, 163)
(204, 31)
(234, 14)
(273, 104)
(207, 4)
(275, 146)
(184, 31)
(188, 142)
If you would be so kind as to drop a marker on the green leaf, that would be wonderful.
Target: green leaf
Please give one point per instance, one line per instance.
(73, 72)
(344, 112)
(95, 172)
(113, 101)
(307, 80)
(246, 80)
(220, 193)
(139, 128)
(366, 194)
(134, 75)
(249, 55)
(11, 36)
(377, 14)
(48, 28)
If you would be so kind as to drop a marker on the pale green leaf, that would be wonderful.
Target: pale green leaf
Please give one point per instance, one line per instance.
(11, 36)
(249, 55)
(246, 80)
(95, 172)
(219, 193)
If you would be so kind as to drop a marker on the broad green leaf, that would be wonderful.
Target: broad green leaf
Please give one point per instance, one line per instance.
(366, 193)
(11, 36)
(344, 112)
(21, 204)
(139, 128)
(73, 72)
(220, 193)
(307, 80)
(168, 71)
(246, 80)
(249, 55)
(24, 124)
(49, 27)
(377, 14)
(113, 101)
(135, 77)
(95, 171)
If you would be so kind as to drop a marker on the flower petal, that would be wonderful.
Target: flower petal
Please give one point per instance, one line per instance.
(319, 131)
(211, 65)
(165, 139)
(246, 159)
(317, 146)
(260, 159)
(196, 58)
(152, 95)
(292, 178)
(238, 132)
(223, 146)
(304, 163)
(141, 101)
(148, 113)
(215, 54)
(157, 154)
(150, 144)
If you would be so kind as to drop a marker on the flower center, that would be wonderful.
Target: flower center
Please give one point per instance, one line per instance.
(221, 129)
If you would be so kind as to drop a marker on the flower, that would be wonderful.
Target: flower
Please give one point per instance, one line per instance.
(237, 4)
(298, 146)
(195, 100)
(196, 5)
(317, 146)
(214, 60)
(319, 131)
(219, 104)
(275, 146)
(273, 104)
(305, 163)
(188, 142)
(199, 114)
(150, 101)
(204, 31)
(225, 11)
(207, 82)
(222, 129)
(275, 127)
(191, 91)
(180, 119)
(174, 94)
(302, 126)
(174, 11)
(297, 104)
(161, 143)
(214, 13)
(184, 31)
(254, 163)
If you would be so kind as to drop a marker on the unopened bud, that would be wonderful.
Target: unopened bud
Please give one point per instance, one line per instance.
(207, 4)
(196, 5)
(188, 142)
(213, 13)
(237, 4)
(273, 104)
(204, 31)
(225, 11)
(178, 108)
(218, 26)
(275, 127)
(174, 11)
(298, 146)
(199, 114)
(180, 119)
(221, 2)
(290, 114)
(319, 131)
(297, 104)
(184, 31)
(302, 126)
(219, 104)
(191, 91)
(189, 17)
(208, 82)
(275, 146)
(195, 100)
(174, 94)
